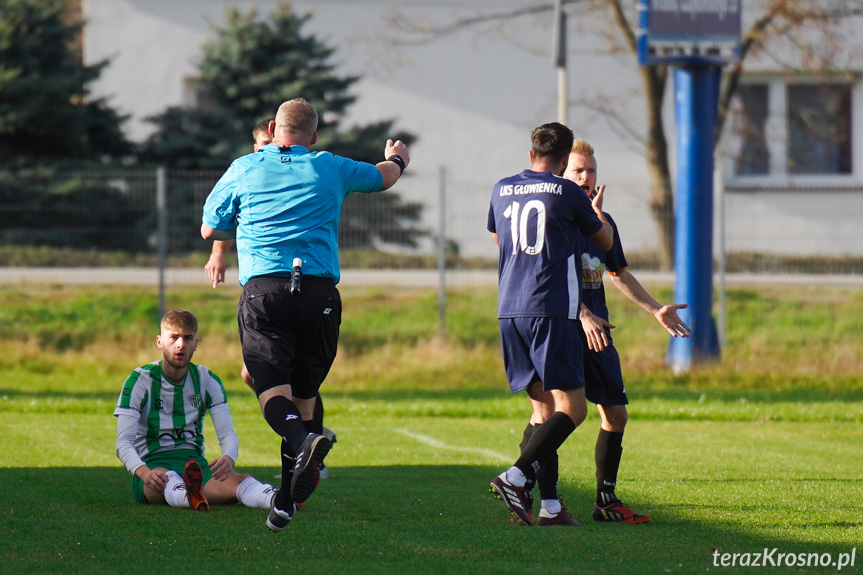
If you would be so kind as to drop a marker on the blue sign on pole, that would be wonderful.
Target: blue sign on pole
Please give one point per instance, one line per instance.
(675, 32)
(697, 37)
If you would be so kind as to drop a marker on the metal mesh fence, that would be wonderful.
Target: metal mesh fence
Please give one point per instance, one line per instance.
(435, 227)
(423, 223)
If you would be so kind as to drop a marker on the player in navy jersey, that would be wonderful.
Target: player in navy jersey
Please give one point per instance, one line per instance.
(536, 218)
(283, 204)
(603, 378)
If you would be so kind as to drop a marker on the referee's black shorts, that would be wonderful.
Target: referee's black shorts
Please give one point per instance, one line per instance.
(289, 339)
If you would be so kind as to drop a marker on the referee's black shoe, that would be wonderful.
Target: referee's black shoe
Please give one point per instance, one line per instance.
(307, 470)
(278, 519)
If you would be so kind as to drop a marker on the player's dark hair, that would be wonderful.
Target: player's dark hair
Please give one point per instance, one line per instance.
(262, 126)
(551, 141)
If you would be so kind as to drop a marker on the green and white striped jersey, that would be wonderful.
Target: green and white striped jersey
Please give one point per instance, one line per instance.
(170, 415)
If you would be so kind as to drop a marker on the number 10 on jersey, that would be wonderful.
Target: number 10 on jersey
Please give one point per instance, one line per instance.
(519, 222)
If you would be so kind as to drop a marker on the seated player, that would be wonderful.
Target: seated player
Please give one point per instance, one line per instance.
(160, 439)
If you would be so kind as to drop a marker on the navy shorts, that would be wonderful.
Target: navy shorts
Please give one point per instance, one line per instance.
(603, 379)
(543, 349)
(289, 339)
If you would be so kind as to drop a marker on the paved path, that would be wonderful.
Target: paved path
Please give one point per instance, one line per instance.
(174, 277)
(399, 278)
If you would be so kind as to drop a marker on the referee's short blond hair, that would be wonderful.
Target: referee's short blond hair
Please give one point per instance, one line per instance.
(297, 116)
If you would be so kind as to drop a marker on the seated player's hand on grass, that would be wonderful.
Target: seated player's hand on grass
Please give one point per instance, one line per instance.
(155, 478)
(222, 467)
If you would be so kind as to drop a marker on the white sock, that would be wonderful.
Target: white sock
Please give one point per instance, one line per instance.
(551, 505)
(175, 491)
(253, 493)
(515, 476)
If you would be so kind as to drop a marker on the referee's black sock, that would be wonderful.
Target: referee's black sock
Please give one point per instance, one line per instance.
(284, 418)
(318, 416)
(543, 444)
(283, 496)
(609, 448)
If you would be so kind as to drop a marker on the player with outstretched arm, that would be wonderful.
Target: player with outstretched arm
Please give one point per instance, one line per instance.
(602, 373)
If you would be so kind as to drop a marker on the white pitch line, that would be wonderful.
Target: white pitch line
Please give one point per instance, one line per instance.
(428, 440)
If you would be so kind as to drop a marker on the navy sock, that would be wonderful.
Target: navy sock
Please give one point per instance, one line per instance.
(525, 436)
(547, 476)
(608, 451)
(544, 442)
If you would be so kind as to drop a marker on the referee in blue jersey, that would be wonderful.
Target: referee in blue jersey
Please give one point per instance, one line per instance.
(283, 205)
(537, 218)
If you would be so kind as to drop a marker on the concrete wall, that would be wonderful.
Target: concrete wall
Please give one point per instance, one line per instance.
(472, 98)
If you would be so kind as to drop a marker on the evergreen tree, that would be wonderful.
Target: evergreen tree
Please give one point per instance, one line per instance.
(249, 67)
(49, 126)
(46, 111)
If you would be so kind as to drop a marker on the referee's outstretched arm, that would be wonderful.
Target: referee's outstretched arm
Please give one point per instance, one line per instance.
(397, 159)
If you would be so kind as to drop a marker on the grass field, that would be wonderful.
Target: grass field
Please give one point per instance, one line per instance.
(760, 452)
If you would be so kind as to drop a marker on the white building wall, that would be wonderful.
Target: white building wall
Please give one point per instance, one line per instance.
(472, 99)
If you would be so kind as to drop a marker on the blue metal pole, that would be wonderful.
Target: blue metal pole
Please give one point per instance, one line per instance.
(696, 93)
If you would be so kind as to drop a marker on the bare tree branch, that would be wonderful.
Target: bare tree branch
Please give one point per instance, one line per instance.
(623, 24)
(432, 33)
(617, 122)
(781, 17)
(784, 19)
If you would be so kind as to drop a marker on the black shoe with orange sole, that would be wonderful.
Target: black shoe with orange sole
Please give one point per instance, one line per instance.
(617, 511)
(193, 477)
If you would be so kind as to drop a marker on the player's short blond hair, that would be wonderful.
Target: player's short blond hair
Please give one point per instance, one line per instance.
(582, 148)
(179, 319)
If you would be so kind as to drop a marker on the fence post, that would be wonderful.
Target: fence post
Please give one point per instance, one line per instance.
(720, 189)
(441, 253)
(162, 240)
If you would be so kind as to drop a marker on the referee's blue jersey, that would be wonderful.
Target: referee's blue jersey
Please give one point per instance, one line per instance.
(287, 203)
